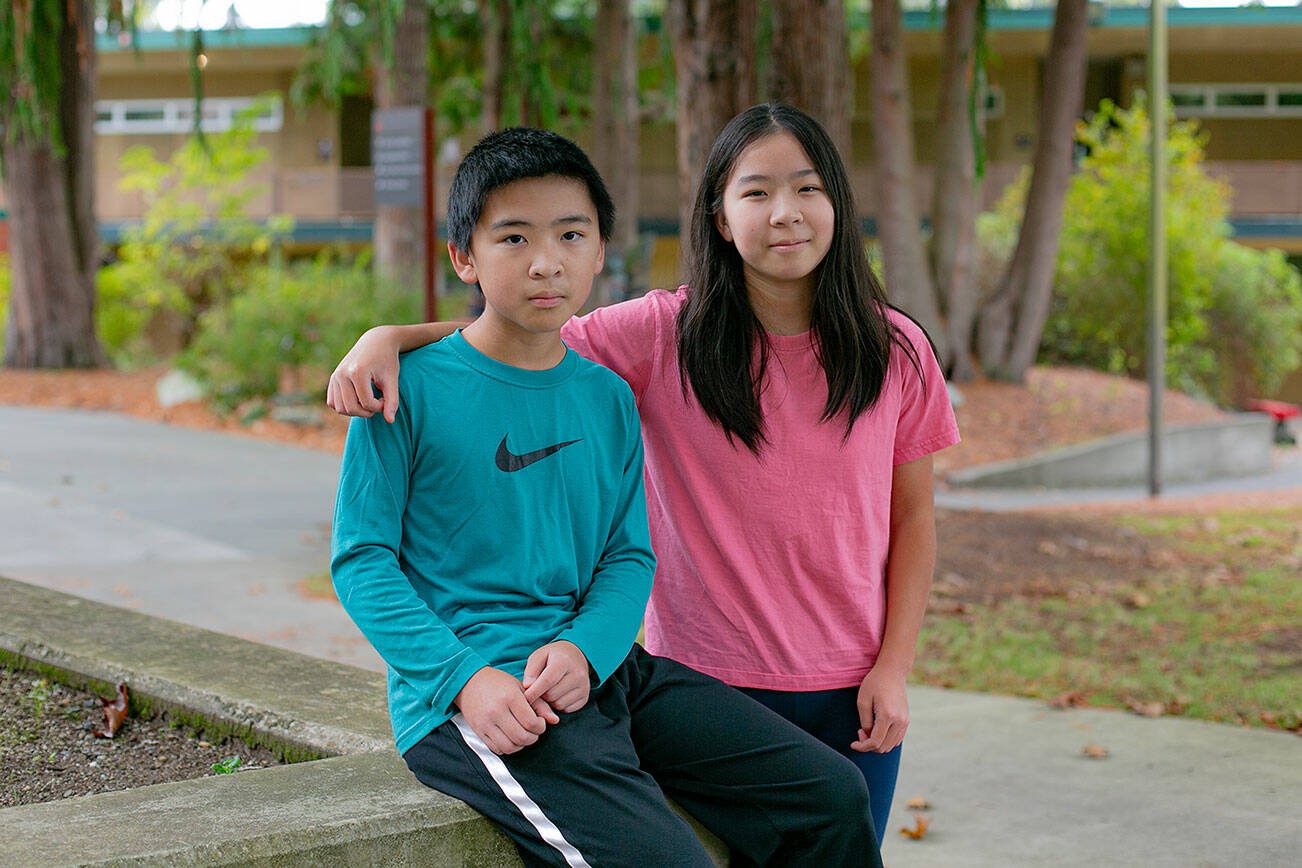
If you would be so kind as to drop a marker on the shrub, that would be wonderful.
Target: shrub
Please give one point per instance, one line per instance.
(1254, 320)
(289, 327)
(1099, 312)
(1232, 313)
(196, 243)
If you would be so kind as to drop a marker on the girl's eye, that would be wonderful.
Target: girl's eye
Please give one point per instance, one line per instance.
(751, 194)
(811, 188)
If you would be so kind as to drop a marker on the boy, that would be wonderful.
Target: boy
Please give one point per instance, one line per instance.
(492, 545)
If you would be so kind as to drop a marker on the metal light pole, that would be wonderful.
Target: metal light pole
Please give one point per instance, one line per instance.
(1157, 265)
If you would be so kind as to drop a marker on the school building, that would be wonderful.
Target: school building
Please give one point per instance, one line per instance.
(1237, 71)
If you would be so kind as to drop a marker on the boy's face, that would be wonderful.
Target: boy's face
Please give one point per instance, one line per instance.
(534, 252)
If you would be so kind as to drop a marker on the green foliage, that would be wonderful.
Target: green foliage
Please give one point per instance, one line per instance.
(1232, 313)
(196, 242)
(1254, 319)
(4, 299)
(39, 696)
(550, 89)
(289, 326)
(227, 765)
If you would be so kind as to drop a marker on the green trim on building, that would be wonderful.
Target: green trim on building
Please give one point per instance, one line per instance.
(179, 40)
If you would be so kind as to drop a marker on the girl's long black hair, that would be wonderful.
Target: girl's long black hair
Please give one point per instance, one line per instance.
(718, 331)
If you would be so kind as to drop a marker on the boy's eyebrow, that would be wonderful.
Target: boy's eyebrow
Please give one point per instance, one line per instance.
(751, 179)
(513, 222)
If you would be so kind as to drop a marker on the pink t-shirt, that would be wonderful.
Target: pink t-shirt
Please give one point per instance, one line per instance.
(770, 568)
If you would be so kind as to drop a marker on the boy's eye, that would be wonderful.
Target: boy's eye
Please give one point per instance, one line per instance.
(572, 235)
(513, 240)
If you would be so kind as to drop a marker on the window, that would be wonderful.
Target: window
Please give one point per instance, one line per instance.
(1237, 100)
(136, 116)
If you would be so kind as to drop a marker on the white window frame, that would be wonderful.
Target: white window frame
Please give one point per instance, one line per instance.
(1270, 107)
(177, 115)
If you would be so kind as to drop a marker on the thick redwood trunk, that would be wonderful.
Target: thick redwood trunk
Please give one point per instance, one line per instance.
(399, 239)
(1024, 294)
(708, 63)
(811, 63)
(496, 43)
(954, 205)
(53, 239)
(908, 278)
(615, 145)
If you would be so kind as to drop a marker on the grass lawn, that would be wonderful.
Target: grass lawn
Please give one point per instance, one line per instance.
(1208, 626)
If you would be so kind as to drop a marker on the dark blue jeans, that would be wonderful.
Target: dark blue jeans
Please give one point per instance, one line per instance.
(832, 717)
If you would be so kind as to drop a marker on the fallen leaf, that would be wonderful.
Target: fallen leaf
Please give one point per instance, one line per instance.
(919, 830)
(1095, 751)
(1137, 600)
(1070, 699)
(115, 711)
(1154, 708)
(918, 803)
(1177, 705)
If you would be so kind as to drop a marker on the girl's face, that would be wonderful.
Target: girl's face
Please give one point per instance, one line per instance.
(777, 214)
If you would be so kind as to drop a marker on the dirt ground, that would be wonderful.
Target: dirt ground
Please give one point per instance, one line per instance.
(48, 751)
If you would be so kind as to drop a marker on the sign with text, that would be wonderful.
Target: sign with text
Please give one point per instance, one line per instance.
(398, 156)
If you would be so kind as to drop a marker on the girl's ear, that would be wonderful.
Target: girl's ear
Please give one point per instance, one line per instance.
(463, 265)
(721, 224)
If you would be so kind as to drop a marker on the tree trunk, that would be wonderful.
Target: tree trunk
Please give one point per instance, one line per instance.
(954, 206)
(1024, 294)
(399, 236)
(615, 145)
(908, 279)
(496, 50)
(811, 63)
(53, 238)
(708, 60)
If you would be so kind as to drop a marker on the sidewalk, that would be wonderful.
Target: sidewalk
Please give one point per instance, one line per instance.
(218, 532)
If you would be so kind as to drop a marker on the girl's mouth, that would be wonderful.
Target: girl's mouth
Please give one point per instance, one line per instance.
(788, 245)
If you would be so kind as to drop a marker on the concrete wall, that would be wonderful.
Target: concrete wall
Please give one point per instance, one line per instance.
(1238, 447)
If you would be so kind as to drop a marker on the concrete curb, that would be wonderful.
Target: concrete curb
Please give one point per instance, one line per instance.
(360, 807)
(1239, 446)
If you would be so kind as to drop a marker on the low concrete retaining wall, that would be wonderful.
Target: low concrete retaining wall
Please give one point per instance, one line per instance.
(356, 806)
(1239, 446)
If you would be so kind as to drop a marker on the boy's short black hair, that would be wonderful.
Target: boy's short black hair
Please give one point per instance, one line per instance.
(511, 155)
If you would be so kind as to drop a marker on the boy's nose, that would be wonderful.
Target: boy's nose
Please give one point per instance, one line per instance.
(545, 265)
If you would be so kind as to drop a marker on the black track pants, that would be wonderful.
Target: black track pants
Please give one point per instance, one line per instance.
(592, 790)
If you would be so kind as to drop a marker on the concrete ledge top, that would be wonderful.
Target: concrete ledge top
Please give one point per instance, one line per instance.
(312, 704)
(358, 808)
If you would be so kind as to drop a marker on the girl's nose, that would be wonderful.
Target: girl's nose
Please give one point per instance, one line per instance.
(786, 210)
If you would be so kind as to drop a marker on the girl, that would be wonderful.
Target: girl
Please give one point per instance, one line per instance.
(789, 417)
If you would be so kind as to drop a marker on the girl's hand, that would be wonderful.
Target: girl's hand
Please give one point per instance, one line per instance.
(557, 674)
(372, 360)
(883, 712)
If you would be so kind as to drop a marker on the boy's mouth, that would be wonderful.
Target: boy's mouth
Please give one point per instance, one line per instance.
(546, 299)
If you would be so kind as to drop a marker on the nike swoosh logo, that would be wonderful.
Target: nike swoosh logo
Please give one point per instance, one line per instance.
(509, 462)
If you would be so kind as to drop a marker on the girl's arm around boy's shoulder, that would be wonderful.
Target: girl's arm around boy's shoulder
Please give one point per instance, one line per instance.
(628, 337)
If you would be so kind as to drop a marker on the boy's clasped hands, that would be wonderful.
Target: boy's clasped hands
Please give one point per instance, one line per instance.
(510, 714)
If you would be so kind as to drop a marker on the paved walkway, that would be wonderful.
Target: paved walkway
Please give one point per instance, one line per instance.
(220, 532)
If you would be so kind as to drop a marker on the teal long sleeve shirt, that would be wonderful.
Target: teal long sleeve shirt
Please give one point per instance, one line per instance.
(503, 509)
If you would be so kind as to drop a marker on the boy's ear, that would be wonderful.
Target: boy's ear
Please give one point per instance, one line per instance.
(722, 225)
(601, 259)
(462, 264)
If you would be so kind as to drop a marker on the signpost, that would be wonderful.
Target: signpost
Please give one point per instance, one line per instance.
(402, 158)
